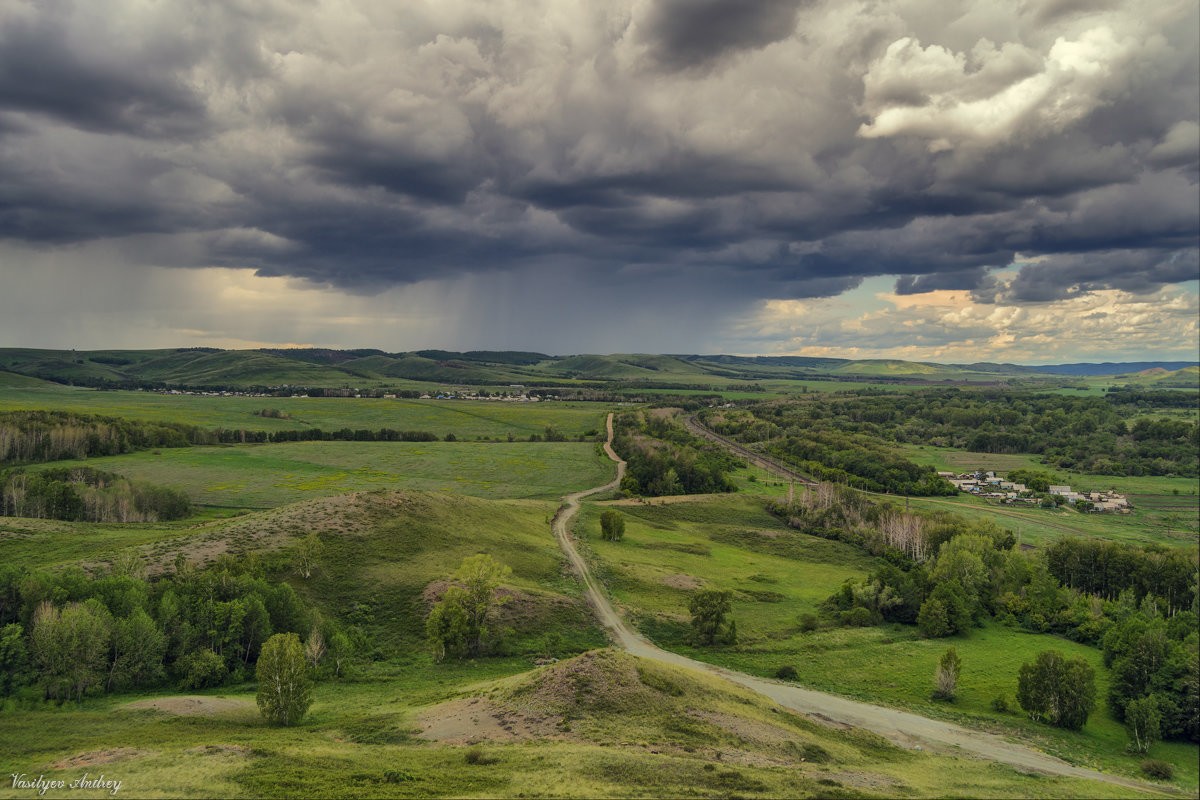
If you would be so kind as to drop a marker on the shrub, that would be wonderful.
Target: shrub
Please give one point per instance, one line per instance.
(786, 673)
(396, 776)
(858, 617)
(809, 623)
(1000, 704)
(945, 679)
(477, 757)
(201, 669)
(1159, 770)
(612, 526)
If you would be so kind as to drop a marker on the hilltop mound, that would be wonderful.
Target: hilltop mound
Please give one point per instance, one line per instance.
(609, 697)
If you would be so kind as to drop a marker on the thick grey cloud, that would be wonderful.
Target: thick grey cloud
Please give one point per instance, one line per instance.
(690, 33)
(749, 149)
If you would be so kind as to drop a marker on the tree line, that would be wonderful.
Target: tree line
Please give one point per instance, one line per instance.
(1107, 435)
(947, 576)
(83, 494)
(662, 458)
(70, 634)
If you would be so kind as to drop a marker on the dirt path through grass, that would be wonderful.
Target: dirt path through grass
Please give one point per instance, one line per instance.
(903, 728)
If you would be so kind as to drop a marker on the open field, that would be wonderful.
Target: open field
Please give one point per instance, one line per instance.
(632, 730)
(466, 419)
(268, 475)
(779, 575)
(1166, 510)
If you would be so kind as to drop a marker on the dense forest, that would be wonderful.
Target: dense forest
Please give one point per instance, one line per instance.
(664, 459)
(82, 494)
(851, 432)
(72, 634)
(33, 436)
(946, 575)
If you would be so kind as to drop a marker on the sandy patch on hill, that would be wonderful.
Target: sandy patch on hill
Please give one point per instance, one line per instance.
(344, 514)
(193, 706)
(97, 757)
(477, 719)
(687, 582)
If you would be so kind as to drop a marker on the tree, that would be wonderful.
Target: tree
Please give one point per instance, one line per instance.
(284, 688)
(1143, 722)
(612, 526)
(314, 648)
(70, 647)
(308, 552)
(14, 659)
(945, 679)
(138, 647)
(1059, 691)
(709, 609)
(458, 624)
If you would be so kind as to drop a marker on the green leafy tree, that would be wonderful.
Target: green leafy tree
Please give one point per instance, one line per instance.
(932, 619)
(14, 658)
(710, 609)
(138, 647)
(1056, 690)
(458, 624)
(945, 678)
(284, 687)
(612, 526)
(1143, 722)
(70, 647)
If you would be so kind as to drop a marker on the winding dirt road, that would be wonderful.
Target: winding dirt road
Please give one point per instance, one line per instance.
(900, 727)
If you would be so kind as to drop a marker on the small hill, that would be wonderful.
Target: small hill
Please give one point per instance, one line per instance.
(611, 698)
(391, 554)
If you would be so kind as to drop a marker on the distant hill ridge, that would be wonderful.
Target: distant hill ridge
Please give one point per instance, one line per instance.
(325, 367)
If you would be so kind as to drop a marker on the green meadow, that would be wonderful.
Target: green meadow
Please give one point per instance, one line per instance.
(268, 475)
(466, 419)
(603, 724)
(779, 576)
(1166, 510)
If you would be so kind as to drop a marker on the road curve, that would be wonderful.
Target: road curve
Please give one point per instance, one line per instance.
(900, 727)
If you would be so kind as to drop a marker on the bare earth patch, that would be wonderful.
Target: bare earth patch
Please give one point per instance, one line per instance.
(192, 706)
(97, 757)
(687, 582)
(220, 750)
(345, 514)
(477, 719)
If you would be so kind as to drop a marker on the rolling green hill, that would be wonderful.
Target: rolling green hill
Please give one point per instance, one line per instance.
(368, 368)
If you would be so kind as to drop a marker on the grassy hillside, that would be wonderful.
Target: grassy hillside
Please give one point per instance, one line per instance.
(265, 476)
(778, 576)
(466, 419)
(365, 368)
(632, 729)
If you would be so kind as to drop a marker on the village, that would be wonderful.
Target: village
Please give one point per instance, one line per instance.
(989, 485)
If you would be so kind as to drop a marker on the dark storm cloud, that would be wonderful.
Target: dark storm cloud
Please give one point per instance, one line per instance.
(1070, 275)
(93, 84)
(408, 142)
(690, 33)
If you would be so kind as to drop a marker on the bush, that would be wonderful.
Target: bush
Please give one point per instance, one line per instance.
(787, 673)
(809, 623)
(201, 669)
(612, 526)
(1000, 704)
(858, 617)
(477, 757)
(1159, 770)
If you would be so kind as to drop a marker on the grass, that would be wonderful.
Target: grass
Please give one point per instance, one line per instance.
(265, 476)
(1166, 510)
(779, 577)
(358, 741)
(466, 419)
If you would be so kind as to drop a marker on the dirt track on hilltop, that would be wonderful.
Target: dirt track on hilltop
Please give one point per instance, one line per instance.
(900, 727)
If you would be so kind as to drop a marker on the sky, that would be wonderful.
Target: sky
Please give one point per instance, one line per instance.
(940, 180)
